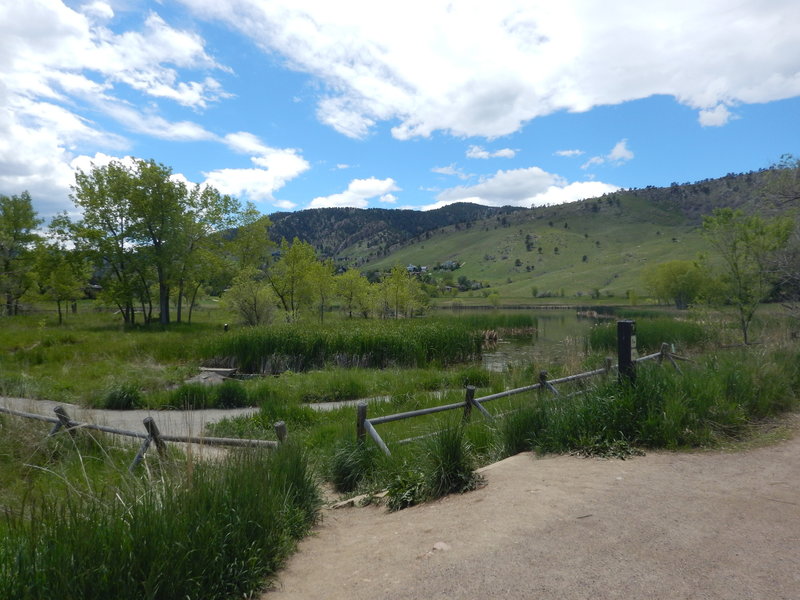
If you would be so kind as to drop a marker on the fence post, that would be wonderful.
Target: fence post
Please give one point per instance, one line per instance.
(361, 417)
(63, 421)
(154, 434)
(627, 368)
(546, 385)
(607, 364)
(280, 431)
(470, 395)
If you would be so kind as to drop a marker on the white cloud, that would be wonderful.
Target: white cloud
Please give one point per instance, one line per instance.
(568, 153)
(715, 117)
(422, 67)
(63, 68)
(450, 169)
(341, 166)
(522, 187)
(358, 193)
(273, 168)
(388, 199)
(618, 155)
(480, 152)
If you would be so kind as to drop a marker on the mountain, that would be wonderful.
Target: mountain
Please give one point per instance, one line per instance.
(598, 246)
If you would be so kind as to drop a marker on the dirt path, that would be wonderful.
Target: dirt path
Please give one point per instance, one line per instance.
(702, 525)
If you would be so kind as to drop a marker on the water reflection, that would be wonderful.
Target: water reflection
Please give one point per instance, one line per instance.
(559, 333)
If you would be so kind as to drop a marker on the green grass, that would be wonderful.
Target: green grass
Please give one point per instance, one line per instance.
(215, 530)
(376, 344)
(651, 333)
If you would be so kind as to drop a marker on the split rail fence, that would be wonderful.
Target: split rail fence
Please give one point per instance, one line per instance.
(151, 435)
(625, 368)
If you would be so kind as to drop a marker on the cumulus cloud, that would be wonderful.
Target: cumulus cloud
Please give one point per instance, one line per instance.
(423, 67)
(618, 155)
(715, 117)
(61, 67)
(480, 152)
(531, 186)
(358, 194)
(273, 168)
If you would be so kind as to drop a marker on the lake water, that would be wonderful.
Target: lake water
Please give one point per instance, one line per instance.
(559, 333)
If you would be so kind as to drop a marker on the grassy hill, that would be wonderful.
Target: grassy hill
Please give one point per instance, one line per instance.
(595, 246)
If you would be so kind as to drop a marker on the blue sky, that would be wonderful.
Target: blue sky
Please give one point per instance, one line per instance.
(300, 104)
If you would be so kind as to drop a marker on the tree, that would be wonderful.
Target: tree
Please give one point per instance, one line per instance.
(746, 246)
(323, 285)
(679, 281)
(354, 290)
(18, 223)
(400, 293)
(143, 227)
(290, 276)
(62, 274)
(250, 297)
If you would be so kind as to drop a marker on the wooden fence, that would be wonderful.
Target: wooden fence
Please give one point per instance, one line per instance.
(624, 367)
(151, 435)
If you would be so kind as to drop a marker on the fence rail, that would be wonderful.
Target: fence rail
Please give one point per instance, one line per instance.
(366, 426)
(149, 436)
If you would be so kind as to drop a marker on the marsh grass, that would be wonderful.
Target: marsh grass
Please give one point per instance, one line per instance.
(378, 344)
(651, 333)
(215, 530)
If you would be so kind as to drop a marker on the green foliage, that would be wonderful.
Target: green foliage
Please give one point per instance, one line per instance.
(250, 298)
(746, 246)
(450, 462)
(650, 334)
(351, 463)
(679, 281)
(18, 223)
(217, 533)
(121, 396)
(298, 347)
(231, 394)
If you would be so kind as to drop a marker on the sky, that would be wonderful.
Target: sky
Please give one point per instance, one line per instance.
(295, 104)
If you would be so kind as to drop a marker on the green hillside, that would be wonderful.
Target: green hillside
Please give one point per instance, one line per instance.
(600, 244)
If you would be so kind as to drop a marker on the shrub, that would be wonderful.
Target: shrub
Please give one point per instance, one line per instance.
(192, 396)
(351, 463)
(231, 394)
(121, 396)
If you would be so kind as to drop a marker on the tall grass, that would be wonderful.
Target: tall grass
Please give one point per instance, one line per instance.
(650, 334)
(380, 344)
(217, 532)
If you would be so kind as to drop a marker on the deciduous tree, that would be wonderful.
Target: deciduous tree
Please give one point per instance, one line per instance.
(18, 223)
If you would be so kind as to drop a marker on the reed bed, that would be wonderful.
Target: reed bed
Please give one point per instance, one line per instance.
(651, 333)
(377, 344)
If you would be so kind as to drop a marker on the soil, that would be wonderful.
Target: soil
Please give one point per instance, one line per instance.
(667, 525)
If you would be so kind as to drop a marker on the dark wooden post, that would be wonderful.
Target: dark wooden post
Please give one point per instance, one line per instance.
(280, 431)
(608, 363)
(361, 417)
(627, 368)
(468, 401)
(155, 434)
(63, 421)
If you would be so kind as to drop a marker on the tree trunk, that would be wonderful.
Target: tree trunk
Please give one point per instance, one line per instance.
(60, 318)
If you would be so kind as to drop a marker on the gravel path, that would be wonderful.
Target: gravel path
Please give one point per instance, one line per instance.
(710, 525)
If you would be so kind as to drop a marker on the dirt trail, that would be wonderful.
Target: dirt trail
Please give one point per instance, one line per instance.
(701, 525)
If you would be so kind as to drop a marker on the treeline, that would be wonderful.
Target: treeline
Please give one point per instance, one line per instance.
(149, 244)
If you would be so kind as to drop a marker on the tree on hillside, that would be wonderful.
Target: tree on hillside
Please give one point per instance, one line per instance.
(679, 281)
(18, 223)
(746, 246)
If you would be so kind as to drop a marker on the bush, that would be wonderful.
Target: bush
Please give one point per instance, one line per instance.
(193, 396)
(351, 463)
(121, 396)
(231, 394)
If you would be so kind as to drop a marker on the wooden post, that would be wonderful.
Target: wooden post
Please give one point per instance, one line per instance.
(63, 421)
(468, 401)
(546, 384)
(627, 368)
(608, 363)
(155, 434)
(361, 417)
(140, 455)
(280, 431)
